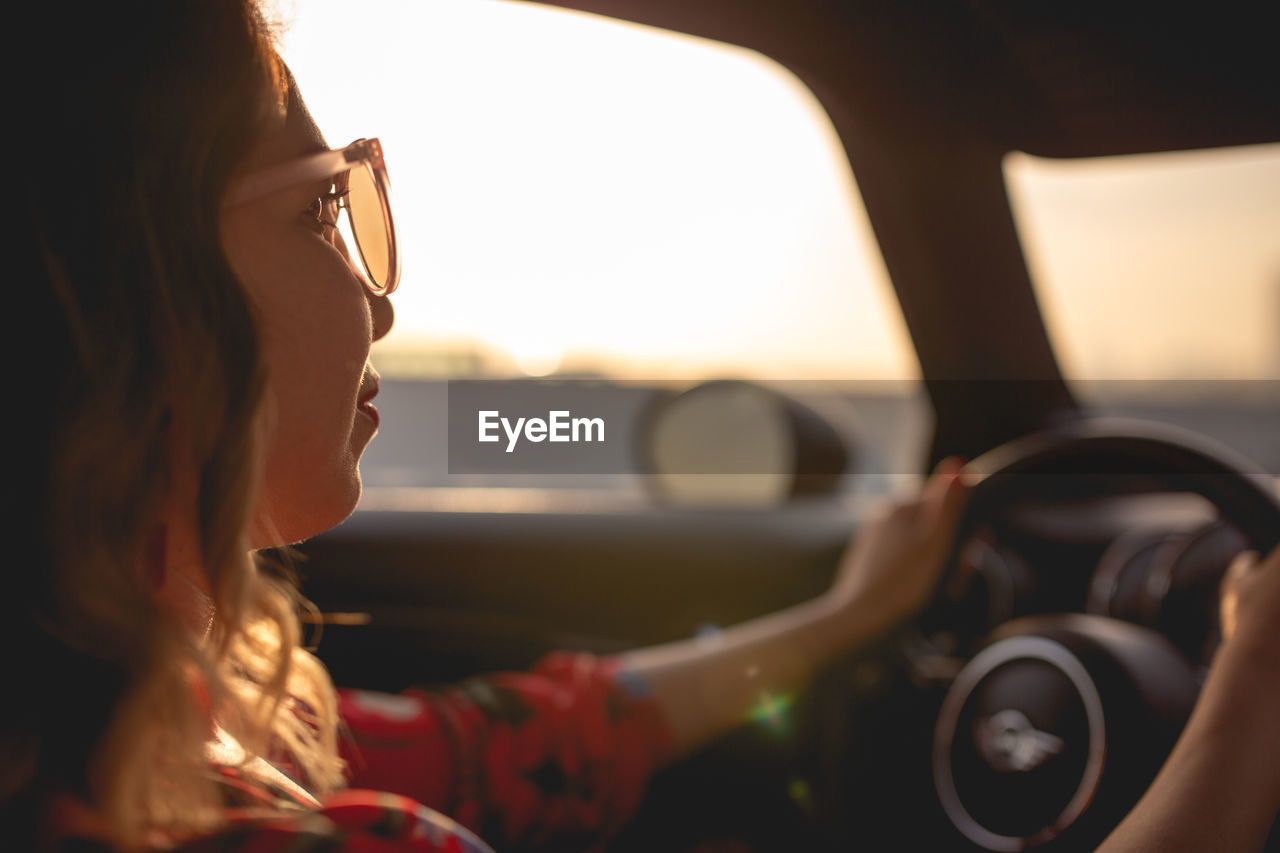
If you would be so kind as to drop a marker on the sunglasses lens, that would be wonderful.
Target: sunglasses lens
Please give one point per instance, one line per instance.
(368, 225)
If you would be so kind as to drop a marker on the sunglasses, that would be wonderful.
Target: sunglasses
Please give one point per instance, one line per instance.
(361, 189)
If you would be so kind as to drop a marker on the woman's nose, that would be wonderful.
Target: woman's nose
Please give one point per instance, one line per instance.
(382, 312)
(379, 306)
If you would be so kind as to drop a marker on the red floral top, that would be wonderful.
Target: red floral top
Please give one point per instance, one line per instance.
(561, 753)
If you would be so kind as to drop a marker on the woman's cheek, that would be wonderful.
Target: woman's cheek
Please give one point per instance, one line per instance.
(315, 329)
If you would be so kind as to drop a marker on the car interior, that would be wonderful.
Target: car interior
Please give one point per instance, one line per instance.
(1033, 701)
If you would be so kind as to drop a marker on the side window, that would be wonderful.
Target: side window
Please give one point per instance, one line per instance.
(582, 197)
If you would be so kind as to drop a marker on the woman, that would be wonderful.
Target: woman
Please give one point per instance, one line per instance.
(201, 391)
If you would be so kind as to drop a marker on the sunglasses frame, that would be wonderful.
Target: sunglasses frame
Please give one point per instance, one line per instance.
(326, 164)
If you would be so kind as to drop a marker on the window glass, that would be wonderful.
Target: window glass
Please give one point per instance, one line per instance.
(579, 196)
(1159, 278)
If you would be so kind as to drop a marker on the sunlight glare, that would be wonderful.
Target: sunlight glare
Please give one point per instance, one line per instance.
(641, 202)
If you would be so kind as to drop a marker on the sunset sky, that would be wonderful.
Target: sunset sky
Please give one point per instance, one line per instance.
(574, 192)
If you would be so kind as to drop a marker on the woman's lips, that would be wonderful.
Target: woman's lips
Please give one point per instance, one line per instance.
(369, 390)
(370, 411)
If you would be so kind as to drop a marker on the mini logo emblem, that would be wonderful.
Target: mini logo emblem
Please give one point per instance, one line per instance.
(1010, 744)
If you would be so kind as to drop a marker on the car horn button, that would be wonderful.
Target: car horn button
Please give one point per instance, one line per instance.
(1024, 754)
(1019, 747)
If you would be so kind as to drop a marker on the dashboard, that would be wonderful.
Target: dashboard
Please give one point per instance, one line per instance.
(1154, 560)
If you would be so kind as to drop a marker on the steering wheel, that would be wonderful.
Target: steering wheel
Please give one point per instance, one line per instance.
(1048, 735)
(1155, 456)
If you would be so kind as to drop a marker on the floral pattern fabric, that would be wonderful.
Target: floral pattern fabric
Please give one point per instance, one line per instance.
(558, 755)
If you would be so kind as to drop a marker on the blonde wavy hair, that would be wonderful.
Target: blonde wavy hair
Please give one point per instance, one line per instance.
(144, 110)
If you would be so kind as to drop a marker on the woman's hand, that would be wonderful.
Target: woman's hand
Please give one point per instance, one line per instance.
(893, 566)
(1250, 605)
(708, 685)
(1220, 788)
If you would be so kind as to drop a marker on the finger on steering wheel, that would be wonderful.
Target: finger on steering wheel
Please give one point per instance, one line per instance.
(1243, 563)
(944, 494)
(1249, 593)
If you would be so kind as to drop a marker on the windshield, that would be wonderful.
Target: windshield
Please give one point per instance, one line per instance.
(1159, 279)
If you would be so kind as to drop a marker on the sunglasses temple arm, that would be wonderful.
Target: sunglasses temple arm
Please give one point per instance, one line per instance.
(265, 183)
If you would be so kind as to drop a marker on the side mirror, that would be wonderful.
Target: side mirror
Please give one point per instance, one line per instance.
(734, 443)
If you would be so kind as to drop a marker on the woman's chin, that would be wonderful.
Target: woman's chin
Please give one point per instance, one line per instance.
(285, 521)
